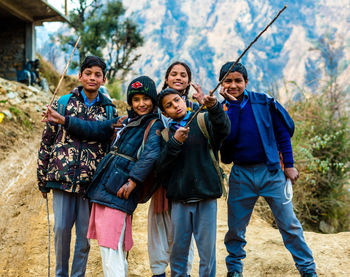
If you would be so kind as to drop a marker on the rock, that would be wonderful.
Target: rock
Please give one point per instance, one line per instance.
(11, 95)
(7, 113)
(2, 90)
(38, 109)
(27, 94)
(326, 228)
(34, 89)
(15, 100)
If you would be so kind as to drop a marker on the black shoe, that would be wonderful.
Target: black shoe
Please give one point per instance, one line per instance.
(160, 275)
(234, 274)
(308, 274)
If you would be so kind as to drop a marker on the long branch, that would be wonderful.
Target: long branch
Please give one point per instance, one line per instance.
(64, 72)
(234, 64)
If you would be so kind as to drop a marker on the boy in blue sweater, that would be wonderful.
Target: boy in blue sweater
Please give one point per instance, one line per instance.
(260, 129)
(191, 180)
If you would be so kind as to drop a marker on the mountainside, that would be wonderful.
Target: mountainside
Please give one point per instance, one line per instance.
(207, 33)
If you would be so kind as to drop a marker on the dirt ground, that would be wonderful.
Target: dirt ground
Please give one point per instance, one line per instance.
(24, 228)
(24, 232)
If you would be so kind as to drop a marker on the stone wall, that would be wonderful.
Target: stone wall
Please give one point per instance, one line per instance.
(12, 47)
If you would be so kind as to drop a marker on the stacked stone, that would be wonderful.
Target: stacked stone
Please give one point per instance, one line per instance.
(17, 94)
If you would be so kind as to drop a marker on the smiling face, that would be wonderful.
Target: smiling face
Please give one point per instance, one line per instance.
(174, 107)
(235, 84)
(141, 104)
(92, 78)
(178, 78)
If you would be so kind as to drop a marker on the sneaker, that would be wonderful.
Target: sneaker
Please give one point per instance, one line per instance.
(309, 274)
(234, 274)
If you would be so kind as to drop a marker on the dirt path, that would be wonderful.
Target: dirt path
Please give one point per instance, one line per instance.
(24, 234)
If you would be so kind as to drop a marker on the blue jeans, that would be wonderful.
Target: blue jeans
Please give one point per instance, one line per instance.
(69, 208)
(198, 218)
(246, 184)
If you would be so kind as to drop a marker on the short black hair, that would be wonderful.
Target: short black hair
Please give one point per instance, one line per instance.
(237, 68)
(91, 61)
(164, 93)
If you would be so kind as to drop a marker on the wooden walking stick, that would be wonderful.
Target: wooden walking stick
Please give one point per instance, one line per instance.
(49, 233)
(64, 72)
(234, 64)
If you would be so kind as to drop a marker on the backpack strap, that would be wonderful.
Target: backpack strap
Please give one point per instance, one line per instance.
(109, 112)
(141, 148)
(145, 136)
(165, 134)
(62, 103)
(203, 127)
(61, 108)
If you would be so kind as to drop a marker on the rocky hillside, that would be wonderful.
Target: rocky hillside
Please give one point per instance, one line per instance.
(20, 109)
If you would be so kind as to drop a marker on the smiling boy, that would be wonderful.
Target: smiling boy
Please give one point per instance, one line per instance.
(260, 128)
(66, 165)
(190, 178)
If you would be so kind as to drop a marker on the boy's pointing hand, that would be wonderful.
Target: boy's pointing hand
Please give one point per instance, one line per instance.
(181, 134)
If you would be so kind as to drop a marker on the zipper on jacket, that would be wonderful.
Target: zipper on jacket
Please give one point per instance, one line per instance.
(77, 165)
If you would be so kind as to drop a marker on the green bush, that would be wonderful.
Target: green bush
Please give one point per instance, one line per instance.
(22, 117)
(321, 147)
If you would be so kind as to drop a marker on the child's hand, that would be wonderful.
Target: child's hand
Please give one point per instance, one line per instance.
(198, 95)
(291, 173)
(126, 189)
(53, 116)
(209, 101)
(226, 95)
(181, 134)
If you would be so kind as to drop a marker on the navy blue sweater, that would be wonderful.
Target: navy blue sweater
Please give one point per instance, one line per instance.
(244, 139)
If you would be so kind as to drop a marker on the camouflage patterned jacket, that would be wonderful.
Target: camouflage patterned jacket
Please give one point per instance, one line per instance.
(65, 161)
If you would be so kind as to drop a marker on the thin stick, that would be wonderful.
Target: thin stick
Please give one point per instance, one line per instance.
(235, 63)
(64, 72)
(48, 226)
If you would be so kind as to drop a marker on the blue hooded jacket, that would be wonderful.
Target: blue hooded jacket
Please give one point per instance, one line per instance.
(261, 104)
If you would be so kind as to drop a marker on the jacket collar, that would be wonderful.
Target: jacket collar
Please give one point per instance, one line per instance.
(103, 100)
(136, 121)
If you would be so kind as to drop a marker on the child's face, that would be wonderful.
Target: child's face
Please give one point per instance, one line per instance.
(235, 84)
(178, 78)
(141, 104)
(174, 107)
(92, 78)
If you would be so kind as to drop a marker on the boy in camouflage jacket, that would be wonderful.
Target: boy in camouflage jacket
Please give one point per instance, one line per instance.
(66, 165)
